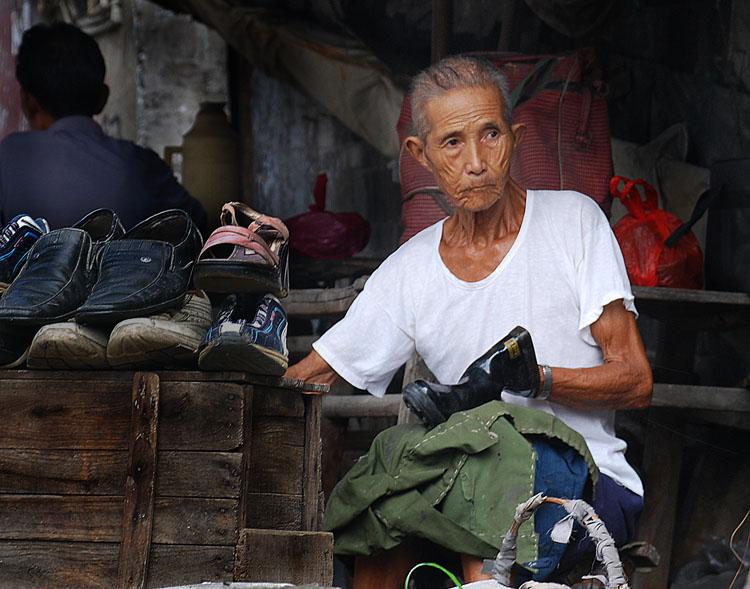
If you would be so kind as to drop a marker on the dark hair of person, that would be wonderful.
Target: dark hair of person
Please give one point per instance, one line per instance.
(63, 68)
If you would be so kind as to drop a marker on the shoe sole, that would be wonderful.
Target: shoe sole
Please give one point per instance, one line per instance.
(112, 315)
(141, 344)
(67, 349)
(231, 352)
(234, 277)
(422, 407)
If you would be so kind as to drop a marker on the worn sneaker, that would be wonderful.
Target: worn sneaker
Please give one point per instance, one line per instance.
(167, 339)
(67, 345)
(15, 242)
(249, 334)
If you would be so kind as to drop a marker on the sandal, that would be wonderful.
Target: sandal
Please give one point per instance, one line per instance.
(248, 253)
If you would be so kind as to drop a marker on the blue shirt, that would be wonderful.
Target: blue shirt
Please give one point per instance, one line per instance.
(72, 168)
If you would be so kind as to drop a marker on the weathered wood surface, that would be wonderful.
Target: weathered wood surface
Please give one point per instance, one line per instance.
(140, 484)
(312, 516)
(277, 455)
(83, 565)
(194, 416)
(84, 518)
(68, 472)
(292, 557)
(274, 511)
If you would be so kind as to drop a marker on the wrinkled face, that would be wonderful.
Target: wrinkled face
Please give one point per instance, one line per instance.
(469, 146)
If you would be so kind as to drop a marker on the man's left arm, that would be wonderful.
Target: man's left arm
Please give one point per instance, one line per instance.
(624, 381)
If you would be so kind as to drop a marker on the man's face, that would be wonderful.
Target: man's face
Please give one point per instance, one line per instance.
(469, 146)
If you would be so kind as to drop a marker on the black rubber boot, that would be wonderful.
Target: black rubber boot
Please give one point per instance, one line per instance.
(508, 366)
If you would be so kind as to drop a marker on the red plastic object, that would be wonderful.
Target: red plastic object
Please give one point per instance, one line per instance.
(325, 234)
(641, 234)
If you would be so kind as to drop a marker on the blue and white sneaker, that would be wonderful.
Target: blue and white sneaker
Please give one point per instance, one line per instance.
(16, 240)
(249, 334)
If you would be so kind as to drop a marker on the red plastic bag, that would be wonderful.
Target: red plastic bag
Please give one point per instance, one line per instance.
(324, 234)
(642, 234)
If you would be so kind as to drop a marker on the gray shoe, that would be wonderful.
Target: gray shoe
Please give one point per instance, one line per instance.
(68, 346)
(167, 339)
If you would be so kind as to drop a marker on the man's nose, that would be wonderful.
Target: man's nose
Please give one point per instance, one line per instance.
(474, 161)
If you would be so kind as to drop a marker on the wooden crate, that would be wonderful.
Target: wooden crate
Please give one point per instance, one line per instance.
(121, 479)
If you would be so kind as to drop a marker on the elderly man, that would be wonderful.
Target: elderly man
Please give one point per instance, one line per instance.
(507, 256)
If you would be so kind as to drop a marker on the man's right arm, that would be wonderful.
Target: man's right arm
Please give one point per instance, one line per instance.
(312, 368)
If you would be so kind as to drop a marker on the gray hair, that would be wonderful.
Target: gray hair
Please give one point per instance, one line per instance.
(457, 71)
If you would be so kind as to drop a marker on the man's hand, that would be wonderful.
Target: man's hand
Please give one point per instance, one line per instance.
(312, 368)
(624, 381)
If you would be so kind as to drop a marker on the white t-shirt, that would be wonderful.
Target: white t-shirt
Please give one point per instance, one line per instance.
(564, 266)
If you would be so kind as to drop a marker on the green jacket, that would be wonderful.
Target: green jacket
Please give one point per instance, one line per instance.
(457, 485)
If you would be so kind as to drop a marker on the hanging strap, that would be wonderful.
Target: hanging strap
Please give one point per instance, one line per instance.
(703, 203)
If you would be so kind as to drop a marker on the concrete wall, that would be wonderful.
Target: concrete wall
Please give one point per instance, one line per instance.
(294, 140)
(161, 66)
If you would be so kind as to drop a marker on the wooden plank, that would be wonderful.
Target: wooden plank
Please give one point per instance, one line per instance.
(96, 415)
(84, 518)
(244, 378)
(200, 416)
(661, 477)
(312, 517)
(247, 445)
(701, 397)
(274, 511)
(322, 302)
(80, 518)
(277, 455)
(71, 472)
(290, 557)
(83, 565)
(196, 521)
(61, 565)
(180, 564)
(278, 402)
(344, 406)
(138, 506)
(199, 474)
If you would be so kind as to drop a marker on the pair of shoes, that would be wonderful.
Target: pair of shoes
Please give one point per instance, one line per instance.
(16, 240)
(508, 366)
(101, 274)
(249, 253)
(170, 338)
(249, 334)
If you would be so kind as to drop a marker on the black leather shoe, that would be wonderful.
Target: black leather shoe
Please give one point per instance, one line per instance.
(60, 271)
(145, 272)
(508, 366)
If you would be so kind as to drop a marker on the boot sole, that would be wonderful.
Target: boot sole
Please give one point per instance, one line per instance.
(233, 353)
(422, 407)
(234, 277)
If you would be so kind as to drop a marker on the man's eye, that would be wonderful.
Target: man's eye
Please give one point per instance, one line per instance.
(494, 134)
(452, 142)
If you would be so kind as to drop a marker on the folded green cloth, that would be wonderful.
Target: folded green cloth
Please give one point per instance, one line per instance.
(456, 485)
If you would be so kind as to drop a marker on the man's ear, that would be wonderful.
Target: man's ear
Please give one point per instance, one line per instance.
(518, 131)
(102, 99)
(38, 118)
(416, 148)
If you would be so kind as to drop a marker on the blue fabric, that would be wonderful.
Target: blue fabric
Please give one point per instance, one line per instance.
(618, 508)
(72, 168)
(560, 472)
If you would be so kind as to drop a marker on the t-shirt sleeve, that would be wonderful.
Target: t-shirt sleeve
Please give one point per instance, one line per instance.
(369, 344)
(601, 276)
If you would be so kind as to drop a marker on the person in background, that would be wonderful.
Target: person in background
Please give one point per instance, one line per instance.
(66, 166)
